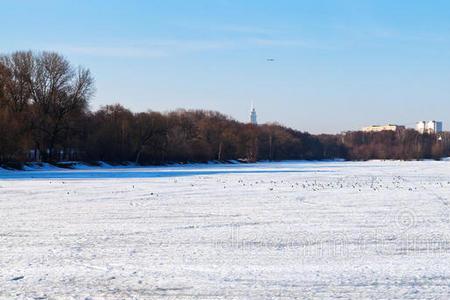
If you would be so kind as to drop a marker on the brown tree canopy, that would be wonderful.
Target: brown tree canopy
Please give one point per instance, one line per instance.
(44, 116)
(46, 95)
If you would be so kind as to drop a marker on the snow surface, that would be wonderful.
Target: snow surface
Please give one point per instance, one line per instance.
(262, 231)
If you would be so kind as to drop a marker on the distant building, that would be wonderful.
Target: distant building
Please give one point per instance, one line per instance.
(253, 116)
(379, 128)
(429, 127)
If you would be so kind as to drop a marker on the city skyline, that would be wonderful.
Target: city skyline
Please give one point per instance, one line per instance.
(317, 67)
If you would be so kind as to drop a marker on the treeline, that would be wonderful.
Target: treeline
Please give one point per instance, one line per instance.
(115, 134)
(405, 145)
(45, 116)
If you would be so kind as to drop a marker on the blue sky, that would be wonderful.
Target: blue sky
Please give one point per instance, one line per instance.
(339, 64)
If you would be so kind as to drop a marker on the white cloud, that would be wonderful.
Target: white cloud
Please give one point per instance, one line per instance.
(135, 52)
(164, 48)
(246, 29)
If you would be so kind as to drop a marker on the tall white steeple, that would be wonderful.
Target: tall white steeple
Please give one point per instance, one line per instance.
(253, 115)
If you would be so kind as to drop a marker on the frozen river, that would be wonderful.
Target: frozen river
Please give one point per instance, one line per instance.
(263, 231)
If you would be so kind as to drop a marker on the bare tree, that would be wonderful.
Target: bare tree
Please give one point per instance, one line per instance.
(14, 103)
(15, 77)
(151, 131)
(59, 93)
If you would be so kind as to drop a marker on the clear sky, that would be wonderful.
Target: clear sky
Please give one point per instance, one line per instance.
(339, 64)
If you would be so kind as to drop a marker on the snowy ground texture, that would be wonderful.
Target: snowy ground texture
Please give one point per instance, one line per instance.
(270, 230)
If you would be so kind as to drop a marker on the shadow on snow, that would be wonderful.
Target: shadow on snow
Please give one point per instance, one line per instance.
(139, 173)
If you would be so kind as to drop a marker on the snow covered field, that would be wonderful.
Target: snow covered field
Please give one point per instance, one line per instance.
(269, 230)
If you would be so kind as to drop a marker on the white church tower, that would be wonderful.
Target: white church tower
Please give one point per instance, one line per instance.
(253, 116)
